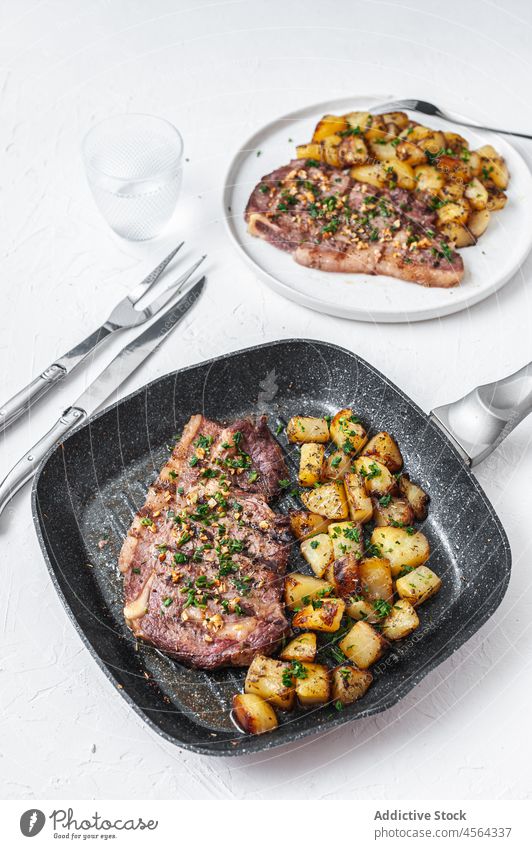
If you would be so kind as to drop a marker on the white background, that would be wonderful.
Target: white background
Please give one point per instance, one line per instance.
(218, 70)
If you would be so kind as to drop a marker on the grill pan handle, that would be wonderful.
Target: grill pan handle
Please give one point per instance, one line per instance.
(479, 421)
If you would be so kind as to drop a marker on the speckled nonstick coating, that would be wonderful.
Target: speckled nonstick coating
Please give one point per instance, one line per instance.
(88, 487)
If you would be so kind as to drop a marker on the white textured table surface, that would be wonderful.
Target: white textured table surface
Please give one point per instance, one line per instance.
(217, 70)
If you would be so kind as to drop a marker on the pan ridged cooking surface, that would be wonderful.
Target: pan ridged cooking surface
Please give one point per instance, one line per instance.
(90, 486)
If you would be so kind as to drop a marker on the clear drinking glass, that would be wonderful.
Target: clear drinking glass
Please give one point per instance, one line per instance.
(134, 170)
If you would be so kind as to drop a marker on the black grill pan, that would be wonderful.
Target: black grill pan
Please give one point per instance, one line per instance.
(88, 488)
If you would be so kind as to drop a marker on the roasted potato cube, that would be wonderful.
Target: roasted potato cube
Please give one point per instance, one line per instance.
(416, 497)
(299, 587)
(307, 429)
(328, 500)
(346, 538)
(456, 212)
(315, 688)
(345, 574)
(392, 511)
(376, 578)
(349, 684)
(363, 645)
(452, 191)
(428, 178)
(318, 552)
(336, 465)
(401, 547)
(433, 143)
(253, 714)
(493, 166)
(347, 432)
(329, 125)
(304, 524)
(383, 149)
(496, 199)
(310, 463)
(454, 168)
(378, 480)
(401, 173)
(360, 609)
(419, 585)
(408, 152)
(266, 678)
(400, 119)
(374, 174)
(322, 615)
(360, 504)
(309, 151)
(302, 648)
(352, 151)
(457, 235)
(360, 120)
(477, 194)
(330, 150)
(478, 222)
(401, 621)
(384, 448)
(456, 143)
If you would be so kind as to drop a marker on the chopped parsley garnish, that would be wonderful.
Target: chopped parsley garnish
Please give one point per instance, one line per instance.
(384, 500)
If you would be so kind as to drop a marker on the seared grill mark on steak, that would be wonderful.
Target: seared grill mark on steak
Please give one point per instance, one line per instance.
(328, 221)
(204, 559)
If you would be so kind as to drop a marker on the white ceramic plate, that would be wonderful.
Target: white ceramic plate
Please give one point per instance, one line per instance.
(488, 265)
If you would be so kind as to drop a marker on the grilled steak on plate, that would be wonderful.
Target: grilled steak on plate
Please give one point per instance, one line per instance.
(329, 221)
(204, 559)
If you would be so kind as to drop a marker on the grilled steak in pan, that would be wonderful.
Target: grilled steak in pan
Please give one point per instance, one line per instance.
(89, 488)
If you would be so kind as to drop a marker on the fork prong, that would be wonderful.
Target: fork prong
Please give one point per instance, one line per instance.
(145, 285)
(171, 290)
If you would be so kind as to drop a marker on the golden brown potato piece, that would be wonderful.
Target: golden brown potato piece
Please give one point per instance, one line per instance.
(329, 125)
(378, 480)
(360, 504)
(415, 495)
(363, 645)
(477, 194)
(408, 152)
(401, 621)
(318, 552)
(428, 179)
(310, 463)
(328, 500)
(392, 511)
(493, 166)
(346, 575)
(266, 677)
(418, 585)
(330, 150)
(300, 588)
(384, 448)
(360, 609)
(360, 120)
(383, 149)
(400, 119)
(309, 151)
(400, 173)
(457, 235)
(253, 714)
(321, 615)
(478, 222)
(352, 151)
(304, 524)
(302, 648)
(347, 432)
(307, 429)
(457, 212)
(346, 538)
(433, 143)
(376, 578)
(456, 143)
(336, 466)
(349, 684)
(373, 175)
(454, 168)
(496, 199)
(315, 687)
(401, 546)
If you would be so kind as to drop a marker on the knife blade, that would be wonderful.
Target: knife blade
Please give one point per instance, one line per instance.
(100, 390)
